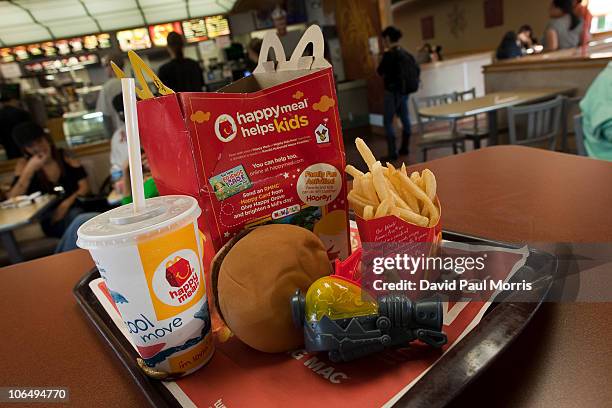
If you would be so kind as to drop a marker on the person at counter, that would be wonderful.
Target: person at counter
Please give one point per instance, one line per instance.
(110, 89)
(400, 74)
(180, 74)
(424, 54)
(525, 36)
(11, 115)
(583, 12)
(510, 47)
(253, 50)
(564, 29)
(44, 167)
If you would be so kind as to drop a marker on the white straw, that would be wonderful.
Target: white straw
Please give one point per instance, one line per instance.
(133, 141)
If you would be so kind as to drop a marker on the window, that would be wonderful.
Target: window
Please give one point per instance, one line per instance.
(602, 15)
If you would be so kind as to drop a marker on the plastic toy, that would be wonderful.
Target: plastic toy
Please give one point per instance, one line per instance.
(340, 318)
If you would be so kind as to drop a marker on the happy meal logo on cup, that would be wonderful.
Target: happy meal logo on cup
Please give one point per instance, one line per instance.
(225, 128)
(177, 278)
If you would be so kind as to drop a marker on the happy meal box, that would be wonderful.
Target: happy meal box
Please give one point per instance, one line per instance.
(265, 149)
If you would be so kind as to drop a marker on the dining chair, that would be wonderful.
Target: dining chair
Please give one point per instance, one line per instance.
(579, 136)
(471, 131)
(543, 123)
(436, 133)
(571, 106)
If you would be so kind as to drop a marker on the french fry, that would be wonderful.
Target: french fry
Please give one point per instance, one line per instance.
(358, 186)
(358, 203)
(384, 208)
(413, 218)
(430, 183)
(356, 173)
(365, 152)
(380, 183)
(409, 199)
(387, 190)
(369, 191)
(368, 212)
(409, 187)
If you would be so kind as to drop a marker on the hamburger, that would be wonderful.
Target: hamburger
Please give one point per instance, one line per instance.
(254, 276)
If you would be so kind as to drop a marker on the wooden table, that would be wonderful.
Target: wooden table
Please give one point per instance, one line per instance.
(490, 104)
(507, 193)
(13, 218)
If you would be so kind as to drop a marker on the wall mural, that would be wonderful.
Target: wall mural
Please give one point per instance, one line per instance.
(355, 27)
(457, 21)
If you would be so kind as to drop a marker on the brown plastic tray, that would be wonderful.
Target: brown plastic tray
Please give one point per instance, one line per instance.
(502, 323)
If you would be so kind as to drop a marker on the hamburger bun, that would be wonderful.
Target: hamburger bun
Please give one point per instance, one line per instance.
(254, 277)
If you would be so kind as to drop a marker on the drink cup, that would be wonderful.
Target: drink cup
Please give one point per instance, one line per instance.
(152, 265)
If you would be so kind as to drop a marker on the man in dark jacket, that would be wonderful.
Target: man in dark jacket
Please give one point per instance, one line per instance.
(180, 74)
(400, 74)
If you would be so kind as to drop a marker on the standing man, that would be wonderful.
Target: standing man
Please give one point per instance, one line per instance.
(110, 89)
(180, 74)
(11, 115)
(400, 74)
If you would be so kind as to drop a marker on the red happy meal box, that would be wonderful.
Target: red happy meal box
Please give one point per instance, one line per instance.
(265, 149)
(178, 272)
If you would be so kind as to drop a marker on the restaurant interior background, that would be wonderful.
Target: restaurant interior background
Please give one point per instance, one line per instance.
(54, 50)
(504, 137)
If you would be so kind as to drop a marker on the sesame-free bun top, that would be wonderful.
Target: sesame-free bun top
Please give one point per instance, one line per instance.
(257, 278)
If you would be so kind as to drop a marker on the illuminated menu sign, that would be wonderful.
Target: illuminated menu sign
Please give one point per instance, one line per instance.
(49, 49)
(34, 50)
(195, 30)
(135, 39)
(63, 47)
(21, 53)
(104, 40)
(159, 32)
(76, 44)
(90, 42)
(216, 26)
(6, 55)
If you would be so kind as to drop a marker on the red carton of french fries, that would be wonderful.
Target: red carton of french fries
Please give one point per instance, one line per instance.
(392, 206)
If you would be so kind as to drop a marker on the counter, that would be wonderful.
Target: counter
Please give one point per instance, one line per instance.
(575, 68)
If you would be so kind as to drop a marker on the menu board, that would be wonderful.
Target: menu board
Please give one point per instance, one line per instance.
(159, 32)
(76, 44)
(6, 55)
(21, 53)
(49, 49)
(104, 40)
(135, 39)
(195, 30)
(63, 47)
(90, 42)
(216, 26)
(34, 50)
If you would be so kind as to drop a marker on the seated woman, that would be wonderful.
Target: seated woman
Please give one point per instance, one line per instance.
(510, 47)
(564, 29)
(44, 168)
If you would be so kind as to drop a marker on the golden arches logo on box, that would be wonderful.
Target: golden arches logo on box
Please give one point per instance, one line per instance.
(173, 268)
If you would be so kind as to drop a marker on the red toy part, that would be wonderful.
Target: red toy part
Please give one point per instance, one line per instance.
(350, 268)
(178, 271)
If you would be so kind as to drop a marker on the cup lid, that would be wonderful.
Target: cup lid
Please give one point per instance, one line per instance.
(120, 226)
